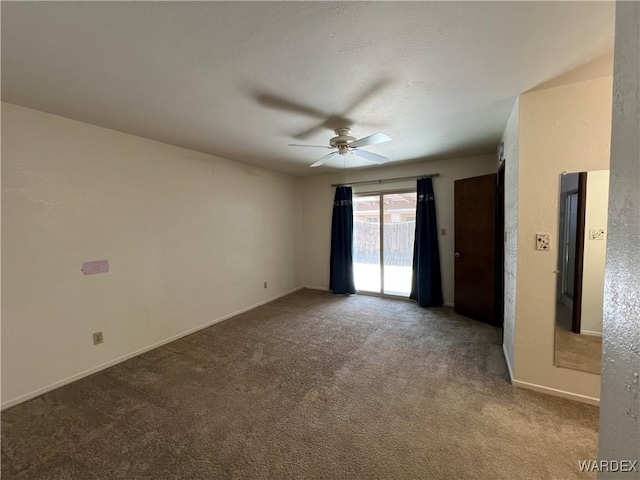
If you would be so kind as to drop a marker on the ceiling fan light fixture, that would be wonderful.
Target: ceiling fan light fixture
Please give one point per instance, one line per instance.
(343, 138)
(345, 144)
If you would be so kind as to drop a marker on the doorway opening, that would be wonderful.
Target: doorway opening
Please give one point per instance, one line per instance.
(384, 226)
(573, 193)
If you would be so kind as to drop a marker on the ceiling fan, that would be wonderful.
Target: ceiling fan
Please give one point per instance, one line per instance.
(329, 119)
(345, 144)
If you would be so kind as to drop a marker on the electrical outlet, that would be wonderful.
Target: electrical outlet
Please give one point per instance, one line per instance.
(265, 284)
(543, 241)
(443, 232)
(97, 338)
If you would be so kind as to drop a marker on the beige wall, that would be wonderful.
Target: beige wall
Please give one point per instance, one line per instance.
(317, 200)
(594, 252)
(566, 128)
(190, 239)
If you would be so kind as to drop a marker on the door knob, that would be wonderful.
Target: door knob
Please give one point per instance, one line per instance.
(457, 255)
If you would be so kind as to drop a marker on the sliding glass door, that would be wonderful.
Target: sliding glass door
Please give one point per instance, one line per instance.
(398, 232)
(384, 230)
(366, 243)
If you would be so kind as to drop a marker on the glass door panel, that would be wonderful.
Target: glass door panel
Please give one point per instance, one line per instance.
(398, 229)
(571, 233)
(366, 243)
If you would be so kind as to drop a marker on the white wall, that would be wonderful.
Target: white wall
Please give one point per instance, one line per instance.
(317, 199)
(190, 239)
(566, 128)
(510, 137)
(594, 252)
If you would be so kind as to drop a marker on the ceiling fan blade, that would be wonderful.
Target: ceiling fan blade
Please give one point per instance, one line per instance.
(370, 140)
(324, 159)
(281, 103)
(309, 132)
(369, 93)
(372, 157)
(316, 146)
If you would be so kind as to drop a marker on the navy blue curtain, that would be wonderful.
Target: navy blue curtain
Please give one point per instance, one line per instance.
(426, 286)
(341, 266)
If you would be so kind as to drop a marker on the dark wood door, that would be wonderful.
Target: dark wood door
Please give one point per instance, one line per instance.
(475, 248)
(576, 314)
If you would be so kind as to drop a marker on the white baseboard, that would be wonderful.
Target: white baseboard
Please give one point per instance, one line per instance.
(558, 393)
(312, 287)
(91, 371)
(506, 359)
(590, 333)
(447, 304)
(548, 390)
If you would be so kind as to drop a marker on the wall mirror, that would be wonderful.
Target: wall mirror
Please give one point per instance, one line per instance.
(582, 241)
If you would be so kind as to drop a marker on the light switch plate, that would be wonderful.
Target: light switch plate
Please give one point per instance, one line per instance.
(543, 241)
(97, 266)
(596, 234)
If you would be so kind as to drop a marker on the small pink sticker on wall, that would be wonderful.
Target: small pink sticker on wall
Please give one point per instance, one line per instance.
(97, 266)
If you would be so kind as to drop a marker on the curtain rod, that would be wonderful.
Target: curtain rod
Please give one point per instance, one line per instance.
(386, 180)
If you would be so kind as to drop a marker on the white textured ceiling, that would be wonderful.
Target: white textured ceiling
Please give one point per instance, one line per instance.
(242, 79)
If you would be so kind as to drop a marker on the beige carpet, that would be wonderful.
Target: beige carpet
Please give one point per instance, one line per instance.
(578, 351)
(311, 386)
